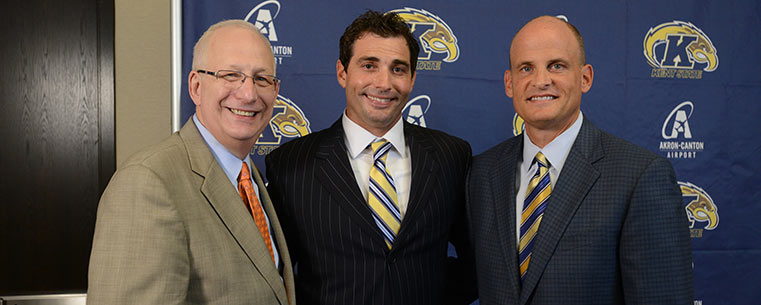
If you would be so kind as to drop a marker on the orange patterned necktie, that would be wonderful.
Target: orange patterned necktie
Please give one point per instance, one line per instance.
(246, 191)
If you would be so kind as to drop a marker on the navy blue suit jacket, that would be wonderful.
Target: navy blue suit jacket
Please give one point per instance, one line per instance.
(339, 252)
(614, 230)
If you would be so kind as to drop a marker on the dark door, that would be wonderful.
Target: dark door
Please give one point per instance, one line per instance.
(56, 139)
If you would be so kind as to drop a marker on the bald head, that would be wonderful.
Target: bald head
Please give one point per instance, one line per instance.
(552, 22)
(201, 46)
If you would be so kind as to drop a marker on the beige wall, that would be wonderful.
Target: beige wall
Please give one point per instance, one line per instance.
(143, 74)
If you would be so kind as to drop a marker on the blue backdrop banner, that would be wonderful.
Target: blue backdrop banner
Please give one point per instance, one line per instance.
(674, 77)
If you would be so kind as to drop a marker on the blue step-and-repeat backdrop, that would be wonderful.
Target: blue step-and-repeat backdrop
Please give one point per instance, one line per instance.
(680, 78)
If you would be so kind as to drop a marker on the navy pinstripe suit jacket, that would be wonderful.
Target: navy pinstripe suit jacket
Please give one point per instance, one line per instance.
(614, 230)
(338, 250)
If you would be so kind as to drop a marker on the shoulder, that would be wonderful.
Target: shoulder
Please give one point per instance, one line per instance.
(490, 155)
(305, 145)
(624, 152)
(165, 154)
(439, 139)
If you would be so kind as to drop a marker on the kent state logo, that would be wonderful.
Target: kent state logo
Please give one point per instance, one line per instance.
(677, 136)
(679, 49)
(287, 121)
(264, 15)
(700, 208)
(414, 111)
(434, 35)
(518, 125)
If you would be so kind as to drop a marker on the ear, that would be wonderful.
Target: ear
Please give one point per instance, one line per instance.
(508, 83)
(340, 73)
(587, 75)
(412, 84)
(194, 87)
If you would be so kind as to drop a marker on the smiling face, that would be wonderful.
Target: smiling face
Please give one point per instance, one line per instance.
(546, 76)
(235, 117)
(378, 81)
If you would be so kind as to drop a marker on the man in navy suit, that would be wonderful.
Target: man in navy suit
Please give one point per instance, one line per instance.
(346, 250)
(602, 219)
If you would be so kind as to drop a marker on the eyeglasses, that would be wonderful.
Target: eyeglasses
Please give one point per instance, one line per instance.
(235, 79)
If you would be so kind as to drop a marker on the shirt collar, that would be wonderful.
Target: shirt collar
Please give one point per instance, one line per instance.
(556, 151)
(358, 138)
(230, 163)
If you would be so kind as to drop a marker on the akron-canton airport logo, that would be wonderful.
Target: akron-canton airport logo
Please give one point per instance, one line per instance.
(263, 17)
(414, 111)
(700, 209)
(288, 121)
(434, 35)
(679, 49)
(677, 136)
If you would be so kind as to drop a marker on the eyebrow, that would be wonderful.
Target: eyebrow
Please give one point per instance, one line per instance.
(376, 59)
(554, 60)
(241, 69)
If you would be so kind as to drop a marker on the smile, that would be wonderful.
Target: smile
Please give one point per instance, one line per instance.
(242, 113)
(378, 99)
(543, 98)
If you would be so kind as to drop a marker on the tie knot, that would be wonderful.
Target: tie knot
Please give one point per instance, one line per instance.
(244, 173)
(380, 148)
(542, 160)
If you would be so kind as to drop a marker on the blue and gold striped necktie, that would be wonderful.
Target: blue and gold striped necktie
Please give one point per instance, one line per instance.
(382, 197)
(537, 194)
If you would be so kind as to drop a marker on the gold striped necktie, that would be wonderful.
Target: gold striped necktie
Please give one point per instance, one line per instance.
(537, 194)
(382, 195)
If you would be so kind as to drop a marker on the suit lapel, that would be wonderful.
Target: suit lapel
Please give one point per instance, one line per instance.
(286, 296)
(422, 178)
(577, 177)
(226, 202)
(335, 173)
(503, 194)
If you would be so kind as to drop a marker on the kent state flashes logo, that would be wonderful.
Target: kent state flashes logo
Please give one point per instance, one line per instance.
(677, 135)
(679, 49)
(700, 208)
(434, 35)
(264, 15)
(287, 121)
(414, 111)
(518, 125)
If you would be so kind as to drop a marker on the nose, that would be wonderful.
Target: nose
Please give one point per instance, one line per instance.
(542, 79)
(382, 80)
(248, 90)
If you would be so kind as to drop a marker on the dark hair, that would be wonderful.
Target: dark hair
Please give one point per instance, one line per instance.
(384, 25)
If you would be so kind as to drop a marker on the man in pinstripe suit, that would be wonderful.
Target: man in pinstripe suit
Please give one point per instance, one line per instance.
(319, 185)
(612, 229)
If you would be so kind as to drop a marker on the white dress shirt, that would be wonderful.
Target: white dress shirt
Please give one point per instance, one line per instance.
(231, 166)
(360, 154)
(556, 153)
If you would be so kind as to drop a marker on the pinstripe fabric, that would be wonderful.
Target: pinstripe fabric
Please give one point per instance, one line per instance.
(341, 256)
(614, 230)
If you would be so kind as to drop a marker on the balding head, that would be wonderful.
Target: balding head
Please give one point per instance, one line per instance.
(199, 50)
(549, 21)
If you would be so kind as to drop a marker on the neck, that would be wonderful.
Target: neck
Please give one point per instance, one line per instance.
(240, 151)
(543, 135)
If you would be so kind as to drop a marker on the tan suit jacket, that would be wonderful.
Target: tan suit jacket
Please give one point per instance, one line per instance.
(172, 229)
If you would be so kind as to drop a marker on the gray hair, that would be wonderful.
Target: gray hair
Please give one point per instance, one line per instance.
(199, 50)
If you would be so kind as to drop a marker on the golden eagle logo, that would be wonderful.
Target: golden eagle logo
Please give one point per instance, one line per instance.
(434, 34)
(701, 207)
(680, 45)
(518, 125)
(288, 120)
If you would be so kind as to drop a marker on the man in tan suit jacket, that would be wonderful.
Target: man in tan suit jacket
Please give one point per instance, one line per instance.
(172, 227)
